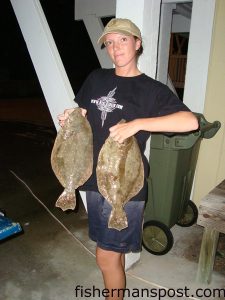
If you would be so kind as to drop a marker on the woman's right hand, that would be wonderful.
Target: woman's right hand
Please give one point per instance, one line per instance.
(63, 117)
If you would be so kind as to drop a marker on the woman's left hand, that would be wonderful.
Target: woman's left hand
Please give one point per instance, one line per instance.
(122, 131)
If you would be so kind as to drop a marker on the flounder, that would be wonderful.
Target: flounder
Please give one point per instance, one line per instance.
(120, 176)
(72, 157)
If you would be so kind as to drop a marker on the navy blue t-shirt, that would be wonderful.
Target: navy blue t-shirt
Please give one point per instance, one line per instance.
(109, 98)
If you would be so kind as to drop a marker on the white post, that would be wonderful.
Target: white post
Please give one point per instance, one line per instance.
(44, 55)
(95, 27)
(91, 11)
(164, 42)
(145, 14)
(198, 54)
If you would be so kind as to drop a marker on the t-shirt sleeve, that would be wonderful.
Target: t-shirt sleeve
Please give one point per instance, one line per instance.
(167, 102)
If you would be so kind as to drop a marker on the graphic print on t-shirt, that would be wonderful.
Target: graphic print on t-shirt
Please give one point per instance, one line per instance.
(106, 104)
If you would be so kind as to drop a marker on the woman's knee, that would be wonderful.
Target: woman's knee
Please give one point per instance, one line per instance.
(106, 260)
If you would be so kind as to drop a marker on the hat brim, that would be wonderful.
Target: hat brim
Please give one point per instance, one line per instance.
(126, 32)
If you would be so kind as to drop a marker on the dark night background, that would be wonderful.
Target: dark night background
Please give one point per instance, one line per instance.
(17, 75)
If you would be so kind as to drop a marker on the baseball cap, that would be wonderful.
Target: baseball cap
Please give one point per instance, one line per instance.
(118, 25)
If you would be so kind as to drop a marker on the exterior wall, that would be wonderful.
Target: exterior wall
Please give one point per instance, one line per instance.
(211, 163)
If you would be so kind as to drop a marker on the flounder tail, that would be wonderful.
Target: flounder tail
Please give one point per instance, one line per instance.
(67, 200)
(118, 219)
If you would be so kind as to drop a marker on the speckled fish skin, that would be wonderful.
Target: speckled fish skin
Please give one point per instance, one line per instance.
(72, 157)
(120, 176)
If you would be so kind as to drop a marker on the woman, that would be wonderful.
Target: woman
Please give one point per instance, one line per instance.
(107, 96)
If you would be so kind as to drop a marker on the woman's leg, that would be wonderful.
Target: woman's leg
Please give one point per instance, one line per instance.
(112, 266)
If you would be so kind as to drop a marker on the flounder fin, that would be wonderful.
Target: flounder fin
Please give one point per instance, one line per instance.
(67, 200)
(118, 219)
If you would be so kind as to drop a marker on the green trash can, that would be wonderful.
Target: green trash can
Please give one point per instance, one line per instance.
(172, 167)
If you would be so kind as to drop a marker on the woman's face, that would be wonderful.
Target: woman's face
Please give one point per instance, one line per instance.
(122, 49)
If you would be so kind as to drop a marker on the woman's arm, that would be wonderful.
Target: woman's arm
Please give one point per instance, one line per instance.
(182, 121)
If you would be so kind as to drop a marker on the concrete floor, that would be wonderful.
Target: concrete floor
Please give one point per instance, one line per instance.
(54, 253)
